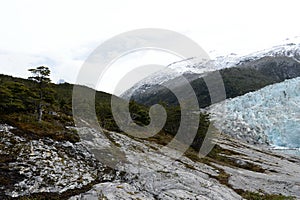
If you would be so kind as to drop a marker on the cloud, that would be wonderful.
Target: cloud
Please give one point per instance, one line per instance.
(17, 64)
(61, 34)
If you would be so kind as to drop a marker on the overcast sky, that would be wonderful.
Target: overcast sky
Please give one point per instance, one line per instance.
(61, 33)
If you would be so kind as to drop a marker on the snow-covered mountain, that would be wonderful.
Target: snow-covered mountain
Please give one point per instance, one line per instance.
(194, 68)
(289, 48)
(270, 115)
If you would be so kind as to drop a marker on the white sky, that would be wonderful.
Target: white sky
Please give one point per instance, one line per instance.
(61, 33)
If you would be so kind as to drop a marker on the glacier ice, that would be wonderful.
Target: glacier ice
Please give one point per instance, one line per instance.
(268, 116)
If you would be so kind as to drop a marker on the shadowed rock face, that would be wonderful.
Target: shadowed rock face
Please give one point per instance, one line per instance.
(142, 171)
(280, 67)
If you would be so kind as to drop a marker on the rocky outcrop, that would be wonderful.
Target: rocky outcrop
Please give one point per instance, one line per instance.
(127, 168)
(44, 166)
(280, 173)
(151, 174)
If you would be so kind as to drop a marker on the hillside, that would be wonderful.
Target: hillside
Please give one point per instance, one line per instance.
(18, 108)
(55, 160)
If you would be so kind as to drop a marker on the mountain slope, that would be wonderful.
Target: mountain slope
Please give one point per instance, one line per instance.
(247, 77)
(240, 75)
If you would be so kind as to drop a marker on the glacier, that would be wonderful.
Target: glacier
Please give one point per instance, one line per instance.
(269, 116)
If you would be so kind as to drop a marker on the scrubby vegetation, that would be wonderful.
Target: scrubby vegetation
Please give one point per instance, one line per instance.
(261, 196)
(20, 104)
(23, 102)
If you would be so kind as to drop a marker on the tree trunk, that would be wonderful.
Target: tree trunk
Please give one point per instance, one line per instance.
(40, 112)
(40, 107)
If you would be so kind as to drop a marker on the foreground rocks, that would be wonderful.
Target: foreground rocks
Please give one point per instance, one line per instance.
(115, 166)
(44, 166)
(152, 174)
(281, 172)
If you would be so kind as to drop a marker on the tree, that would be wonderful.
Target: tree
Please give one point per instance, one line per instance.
(5, 98)
(40, 75)
(14, 97)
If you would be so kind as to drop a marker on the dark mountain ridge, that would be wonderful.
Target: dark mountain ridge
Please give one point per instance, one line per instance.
(247, 76)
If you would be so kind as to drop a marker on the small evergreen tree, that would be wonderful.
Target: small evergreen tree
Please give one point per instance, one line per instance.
(40, 75)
